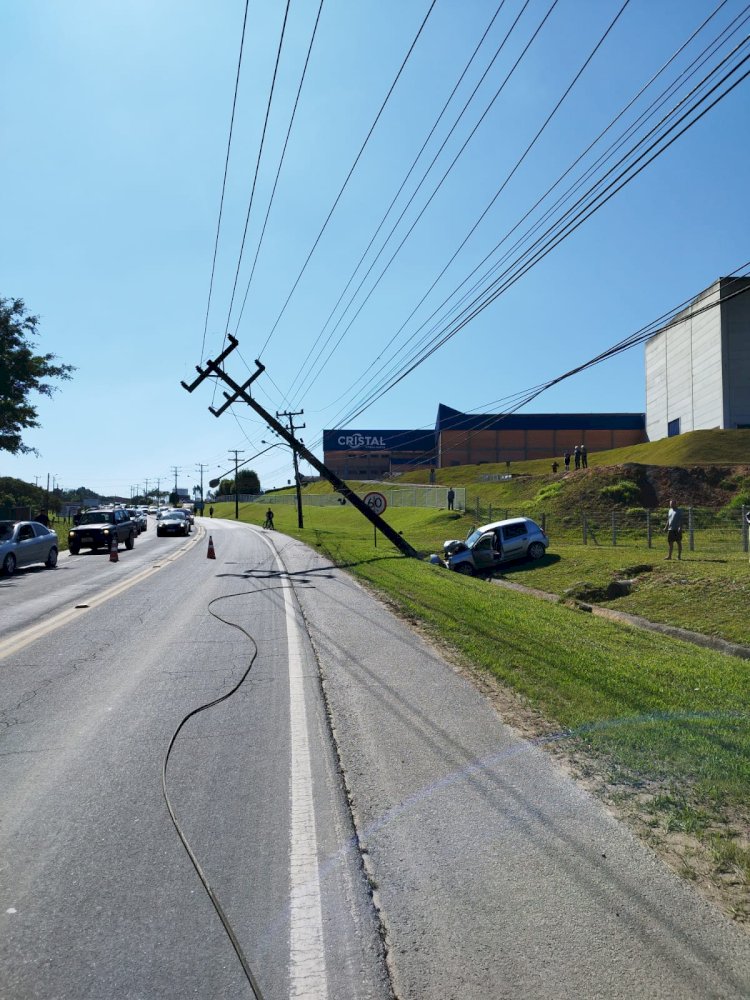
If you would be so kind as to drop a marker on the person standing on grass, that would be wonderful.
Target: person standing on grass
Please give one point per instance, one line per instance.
(584, 457)
(566, 459)
(451, 497)
(673, 528)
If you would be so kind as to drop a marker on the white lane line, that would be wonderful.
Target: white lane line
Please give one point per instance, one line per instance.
(307, 966)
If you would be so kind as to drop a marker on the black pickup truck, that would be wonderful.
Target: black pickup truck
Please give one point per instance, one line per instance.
(96, 529)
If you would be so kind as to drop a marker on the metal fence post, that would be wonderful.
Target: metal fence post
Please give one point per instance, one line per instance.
(648, 527)
(585, 531)
(744, 529)
(690, 530)
(614, 528)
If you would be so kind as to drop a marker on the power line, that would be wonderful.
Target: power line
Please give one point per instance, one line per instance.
(257, 163)
(440, 182)
(602, 158)
(348, 177)
(281, 162)
(522, 266)
(224, 182)
(303, 366)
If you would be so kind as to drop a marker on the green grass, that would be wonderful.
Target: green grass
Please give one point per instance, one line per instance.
(656, 708)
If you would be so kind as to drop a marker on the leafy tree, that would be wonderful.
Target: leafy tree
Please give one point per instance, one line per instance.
(22, 372)
(248, 481)
(226, 486)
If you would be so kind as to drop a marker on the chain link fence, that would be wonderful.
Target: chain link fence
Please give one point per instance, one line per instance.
(703, 527)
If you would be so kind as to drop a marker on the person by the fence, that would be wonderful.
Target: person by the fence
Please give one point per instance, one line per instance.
(673, 528)
(566, 459)
(451, 497)
(584, 457)
(577, 457)
(268, 523)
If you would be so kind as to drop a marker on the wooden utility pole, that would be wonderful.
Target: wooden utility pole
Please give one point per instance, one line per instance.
(236, 484)
(292, 428)
(240, 392)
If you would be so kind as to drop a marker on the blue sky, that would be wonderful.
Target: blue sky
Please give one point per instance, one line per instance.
(115, 119)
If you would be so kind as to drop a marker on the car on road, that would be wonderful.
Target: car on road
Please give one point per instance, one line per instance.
(23, 543)
(97, 528)
(172, 522)
(493, 544)
(138, 518)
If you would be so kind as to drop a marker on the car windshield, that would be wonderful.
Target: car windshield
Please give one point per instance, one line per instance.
(473, 537)
(6, 530)
(167, 513)
(94, 517)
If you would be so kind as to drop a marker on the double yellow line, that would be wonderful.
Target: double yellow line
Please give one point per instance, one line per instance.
(16, 643)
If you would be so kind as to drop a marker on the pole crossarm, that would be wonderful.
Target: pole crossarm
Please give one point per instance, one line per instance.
(240, 392)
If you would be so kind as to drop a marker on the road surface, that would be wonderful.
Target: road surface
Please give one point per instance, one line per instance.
(367, 821)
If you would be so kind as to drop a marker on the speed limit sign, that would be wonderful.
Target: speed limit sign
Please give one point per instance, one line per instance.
(376, 502)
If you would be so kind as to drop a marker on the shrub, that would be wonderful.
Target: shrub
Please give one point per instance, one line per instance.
(623, 492)
(548, 492)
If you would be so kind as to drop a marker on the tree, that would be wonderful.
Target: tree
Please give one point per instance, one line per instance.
(248, 481)
(21, 373)
(226, 486)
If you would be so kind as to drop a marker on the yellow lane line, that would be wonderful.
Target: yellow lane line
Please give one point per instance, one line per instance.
(24, 638)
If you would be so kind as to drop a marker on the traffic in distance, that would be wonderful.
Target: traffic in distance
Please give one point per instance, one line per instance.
(27, 543)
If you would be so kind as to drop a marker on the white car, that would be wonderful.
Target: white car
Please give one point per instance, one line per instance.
(496, 543)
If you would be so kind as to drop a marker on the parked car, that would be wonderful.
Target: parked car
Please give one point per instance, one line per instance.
(494, 544)
(172, 522)
(97, 528)
(25, 542)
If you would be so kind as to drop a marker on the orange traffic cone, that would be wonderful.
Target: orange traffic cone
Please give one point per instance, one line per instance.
(210, 554)
(113, 553)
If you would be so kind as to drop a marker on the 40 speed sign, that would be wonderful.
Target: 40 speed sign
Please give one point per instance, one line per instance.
(376, 502)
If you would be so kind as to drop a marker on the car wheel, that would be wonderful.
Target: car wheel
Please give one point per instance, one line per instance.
(51, 558)
(130, 541)
(465, 569)
(9, 564)
(75, 549)
(158, 533)
(536, 550)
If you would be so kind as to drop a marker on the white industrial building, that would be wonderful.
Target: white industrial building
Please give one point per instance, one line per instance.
(698, 370)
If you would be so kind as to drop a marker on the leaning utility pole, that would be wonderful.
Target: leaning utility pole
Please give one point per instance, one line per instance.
(236, 483)
(292, 428)
(240, 392)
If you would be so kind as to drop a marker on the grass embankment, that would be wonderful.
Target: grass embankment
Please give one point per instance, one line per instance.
(665, 722)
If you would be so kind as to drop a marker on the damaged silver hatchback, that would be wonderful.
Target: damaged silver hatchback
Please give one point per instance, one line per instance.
(494, 544)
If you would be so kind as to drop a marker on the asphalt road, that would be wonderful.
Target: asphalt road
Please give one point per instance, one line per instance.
(366, 819)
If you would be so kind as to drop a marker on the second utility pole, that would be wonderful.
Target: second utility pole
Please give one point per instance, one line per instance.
(236, 484)
(292, 428)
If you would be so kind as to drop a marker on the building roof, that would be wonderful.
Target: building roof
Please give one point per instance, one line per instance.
(449, 419)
